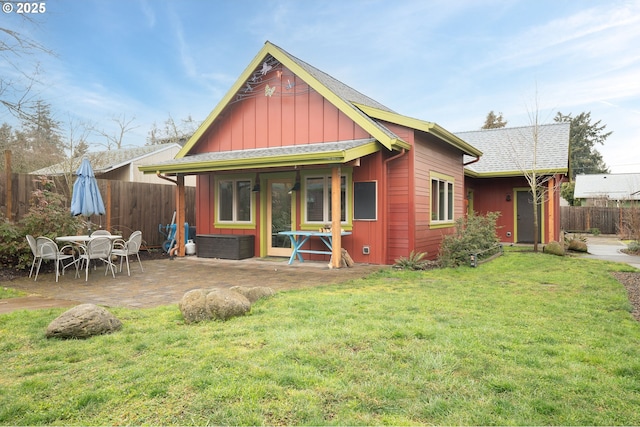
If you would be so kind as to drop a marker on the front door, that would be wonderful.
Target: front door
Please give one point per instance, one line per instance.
(278, 216)
(524, 222)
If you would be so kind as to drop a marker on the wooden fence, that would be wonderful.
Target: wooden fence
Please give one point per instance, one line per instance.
(130, 205)
(585, 218)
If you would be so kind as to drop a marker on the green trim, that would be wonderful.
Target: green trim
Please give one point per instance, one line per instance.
(300, 159)
(541, 217)
(326, 173)
(448, 179)
(422, 125)
(435, 226)
(344, 106)
(507, 174)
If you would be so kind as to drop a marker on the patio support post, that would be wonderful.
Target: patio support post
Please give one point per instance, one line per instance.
(336, 237)
(180, 214)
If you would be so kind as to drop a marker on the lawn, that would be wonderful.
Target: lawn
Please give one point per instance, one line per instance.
(527, 339)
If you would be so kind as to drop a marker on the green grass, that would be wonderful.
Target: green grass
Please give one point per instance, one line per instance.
(10, 293)
(525, 339)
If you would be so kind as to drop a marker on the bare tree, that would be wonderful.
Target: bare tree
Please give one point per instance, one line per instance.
(18, 78)
(541, 180)
(172, 132)
(115, 140)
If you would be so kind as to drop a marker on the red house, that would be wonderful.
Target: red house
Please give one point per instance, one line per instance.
(500, 180)
(291, 148)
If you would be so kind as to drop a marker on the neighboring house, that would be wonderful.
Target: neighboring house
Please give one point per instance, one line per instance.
(497, 182)
(121, 165)
(302, 141)
(608, 190)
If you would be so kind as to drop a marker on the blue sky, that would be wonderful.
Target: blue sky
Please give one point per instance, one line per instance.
(449, 62)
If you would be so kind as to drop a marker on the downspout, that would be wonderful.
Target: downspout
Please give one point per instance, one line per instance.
(386, 201)
(166, 178)
(477, 159)
(173, 251)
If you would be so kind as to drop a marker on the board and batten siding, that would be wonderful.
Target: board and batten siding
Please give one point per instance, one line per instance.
(280, 120)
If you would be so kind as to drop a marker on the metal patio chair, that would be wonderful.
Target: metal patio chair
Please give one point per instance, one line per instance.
(98, 248)
(124, 249)
(47, 249)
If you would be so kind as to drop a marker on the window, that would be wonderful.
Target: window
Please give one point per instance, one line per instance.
(441, 199)
(318, 199)
(234, 200)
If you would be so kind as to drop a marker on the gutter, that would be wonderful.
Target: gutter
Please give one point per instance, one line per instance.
(159, 175)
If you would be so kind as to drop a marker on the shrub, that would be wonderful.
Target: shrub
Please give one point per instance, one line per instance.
(414, 262)
(633, 247)
(595, 231)
(48, 216)
(475, 233)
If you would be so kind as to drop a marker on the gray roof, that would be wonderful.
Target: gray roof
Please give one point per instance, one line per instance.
(346, 93)
(105, 161)
(622, 186)
(264, 153)
(342, 90)
(510, 151)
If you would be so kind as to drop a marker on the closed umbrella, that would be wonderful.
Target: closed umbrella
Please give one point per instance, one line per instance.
(86, 199)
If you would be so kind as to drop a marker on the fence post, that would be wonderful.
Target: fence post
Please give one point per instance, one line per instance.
(9, 192)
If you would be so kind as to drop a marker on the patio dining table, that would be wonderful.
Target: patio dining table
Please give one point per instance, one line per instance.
(300, 237)
(83, 239)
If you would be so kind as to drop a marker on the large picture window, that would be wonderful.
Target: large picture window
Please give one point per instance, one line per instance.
(318, 199)
(234, 200)
(441, 199)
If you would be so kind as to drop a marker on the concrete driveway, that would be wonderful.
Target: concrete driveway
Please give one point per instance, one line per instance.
(609, 248)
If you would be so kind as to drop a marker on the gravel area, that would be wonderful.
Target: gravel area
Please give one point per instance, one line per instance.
(631, 282)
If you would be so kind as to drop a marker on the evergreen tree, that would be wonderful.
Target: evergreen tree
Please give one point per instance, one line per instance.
(584, 158)
(494, 122)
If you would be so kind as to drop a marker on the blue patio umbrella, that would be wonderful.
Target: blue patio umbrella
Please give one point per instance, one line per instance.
(86, 199)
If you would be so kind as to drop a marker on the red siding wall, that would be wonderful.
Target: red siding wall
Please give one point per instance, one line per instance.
(283, 119)
(433, 155)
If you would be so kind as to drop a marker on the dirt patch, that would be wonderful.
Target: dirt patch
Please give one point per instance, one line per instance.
(631, 282)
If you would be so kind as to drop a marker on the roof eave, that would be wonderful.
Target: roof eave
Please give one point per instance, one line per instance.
(344, 106)
(303, 159)
(513, 173)
(429, 127)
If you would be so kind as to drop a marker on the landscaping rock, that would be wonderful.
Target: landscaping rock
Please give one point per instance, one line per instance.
(224, 304)
(83, 321)
(577, 245)
(193, 306)
(255, 293)
(554, 248)
(217, 304)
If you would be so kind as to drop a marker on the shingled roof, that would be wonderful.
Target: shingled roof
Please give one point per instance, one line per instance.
(622, 186)
(106, 161)
(510, 151)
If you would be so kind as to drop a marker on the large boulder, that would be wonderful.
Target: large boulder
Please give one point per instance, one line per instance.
(193, 306)
(213, 304)
(255, 293)
(554, 248)
(578, 245)
(225, 304)
(83, 321)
